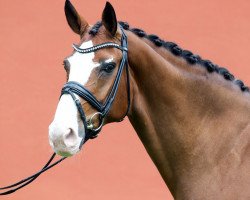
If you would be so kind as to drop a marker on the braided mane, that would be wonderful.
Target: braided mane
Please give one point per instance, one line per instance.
(178, 51)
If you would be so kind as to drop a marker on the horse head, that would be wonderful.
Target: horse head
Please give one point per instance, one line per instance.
(91, 97)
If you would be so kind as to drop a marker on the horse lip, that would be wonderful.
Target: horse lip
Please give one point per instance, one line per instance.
(67, 153)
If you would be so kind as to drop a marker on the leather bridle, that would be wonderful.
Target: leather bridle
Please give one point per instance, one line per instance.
(76, 90)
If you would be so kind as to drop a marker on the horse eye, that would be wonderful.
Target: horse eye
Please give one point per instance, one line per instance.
(108, 67)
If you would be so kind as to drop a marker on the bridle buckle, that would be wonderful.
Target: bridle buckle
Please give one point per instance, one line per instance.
(90, 124)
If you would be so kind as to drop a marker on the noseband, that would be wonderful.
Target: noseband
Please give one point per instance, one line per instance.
(74, 88)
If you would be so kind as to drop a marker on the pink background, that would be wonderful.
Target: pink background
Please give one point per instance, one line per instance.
(35, 38)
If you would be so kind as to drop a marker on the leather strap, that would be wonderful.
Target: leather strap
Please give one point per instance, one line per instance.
(73, 87)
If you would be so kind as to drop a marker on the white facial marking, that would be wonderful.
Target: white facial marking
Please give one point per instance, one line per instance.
(81, 65)
(67, 130)
(66, 119)
(64, 141)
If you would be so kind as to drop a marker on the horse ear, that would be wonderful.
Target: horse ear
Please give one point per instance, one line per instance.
(109, 19)
(75, 21)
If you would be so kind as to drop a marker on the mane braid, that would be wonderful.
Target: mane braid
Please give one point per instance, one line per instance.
(178, 51)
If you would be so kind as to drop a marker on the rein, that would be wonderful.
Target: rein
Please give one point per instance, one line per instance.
(20, 184)
(74, 88)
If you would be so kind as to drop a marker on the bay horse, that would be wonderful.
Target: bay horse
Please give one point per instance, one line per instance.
(192, 116)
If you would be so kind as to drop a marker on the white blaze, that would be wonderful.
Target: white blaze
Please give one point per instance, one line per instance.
(81, 66)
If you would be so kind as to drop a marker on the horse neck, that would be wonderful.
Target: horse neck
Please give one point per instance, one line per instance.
(178, 111)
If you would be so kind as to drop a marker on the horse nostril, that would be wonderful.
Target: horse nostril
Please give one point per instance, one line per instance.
(70, 137)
